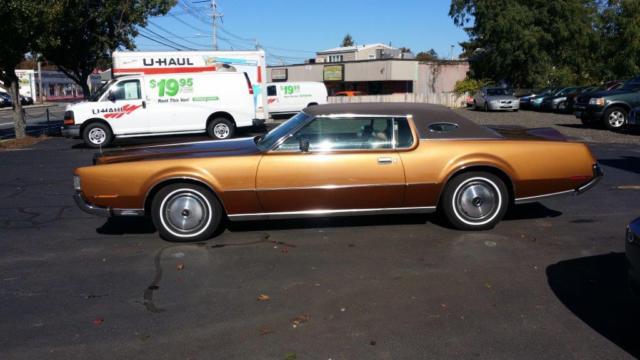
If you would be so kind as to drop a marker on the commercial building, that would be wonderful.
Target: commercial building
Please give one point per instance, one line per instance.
(56, 86)
(375, 70)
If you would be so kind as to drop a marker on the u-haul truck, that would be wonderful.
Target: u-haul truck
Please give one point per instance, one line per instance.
(171, 93)
(170, 62)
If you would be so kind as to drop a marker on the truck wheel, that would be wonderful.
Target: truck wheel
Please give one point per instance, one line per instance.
(615, 118)
(185, 212)
(97, 135)
(221, 129)
(475, 201)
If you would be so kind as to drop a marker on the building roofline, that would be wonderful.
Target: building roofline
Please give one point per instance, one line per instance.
(439, 62)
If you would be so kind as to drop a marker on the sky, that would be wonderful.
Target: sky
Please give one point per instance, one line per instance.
(291, 31)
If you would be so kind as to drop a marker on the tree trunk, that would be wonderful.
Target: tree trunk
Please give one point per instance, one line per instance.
(85, 89)
(20, 124)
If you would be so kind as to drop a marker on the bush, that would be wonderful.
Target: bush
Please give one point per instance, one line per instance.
(468, 86)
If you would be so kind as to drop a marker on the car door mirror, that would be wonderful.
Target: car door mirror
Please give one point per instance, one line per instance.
(304, 145)
(111, 96)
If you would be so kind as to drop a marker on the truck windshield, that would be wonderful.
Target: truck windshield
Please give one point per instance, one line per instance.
(267, 141)
(101, 90)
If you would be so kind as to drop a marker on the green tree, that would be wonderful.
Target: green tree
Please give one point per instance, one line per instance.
(529, 43)
(82, 34)
(620, 39)
(19, 26)
(430, 55)
(347, 41)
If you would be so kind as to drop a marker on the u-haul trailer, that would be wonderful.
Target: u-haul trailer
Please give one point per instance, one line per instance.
(169, 62)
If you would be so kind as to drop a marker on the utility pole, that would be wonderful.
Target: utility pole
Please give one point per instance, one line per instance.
(215, 15)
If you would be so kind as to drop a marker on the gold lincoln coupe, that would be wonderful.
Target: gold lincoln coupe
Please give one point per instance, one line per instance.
(346, 159)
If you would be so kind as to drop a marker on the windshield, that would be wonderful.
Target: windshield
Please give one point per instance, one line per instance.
(101, 90)
(631, 85)
(499, 92)
(267, 141)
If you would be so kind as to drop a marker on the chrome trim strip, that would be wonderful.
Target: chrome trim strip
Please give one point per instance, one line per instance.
(92, 209)
(529, 199)
(127, 212)
(329, 213)
(328, 187)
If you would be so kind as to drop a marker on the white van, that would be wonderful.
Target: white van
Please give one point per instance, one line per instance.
(147, 105)
(291, 97)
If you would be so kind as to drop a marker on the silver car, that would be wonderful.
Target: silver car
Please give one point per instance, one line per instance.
(493, 99)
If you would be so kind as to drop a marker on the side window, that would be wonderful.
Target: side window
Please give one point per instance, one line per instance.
(271, 90)
(404, 136)
(326, 134)
(127, 90)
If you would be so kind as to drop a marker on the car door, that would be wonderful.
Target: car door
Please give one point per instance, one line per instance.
(125, 109)
(351, 164)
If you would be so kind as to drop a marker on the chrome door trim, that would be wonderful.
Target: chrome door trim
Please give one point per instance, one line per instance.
(326, 187)
(330, 213)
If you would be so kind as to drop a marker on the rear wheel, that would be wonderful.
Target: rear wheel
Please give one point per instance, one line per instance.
(221, 129)
(615, 118)
(475, 201)
(97, 135)
(186, 212)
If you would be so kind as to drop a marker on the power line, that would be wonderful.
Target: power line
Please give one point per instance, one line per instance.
(165, 39)
(159, 42)
(181, 37)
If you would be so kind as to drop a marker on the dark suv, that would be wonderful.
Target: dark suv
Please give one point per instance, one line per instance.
(609, 108)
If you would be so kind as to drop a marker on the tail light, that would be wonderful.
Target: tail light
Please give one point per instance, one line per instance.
(69, 118)
(249, 83)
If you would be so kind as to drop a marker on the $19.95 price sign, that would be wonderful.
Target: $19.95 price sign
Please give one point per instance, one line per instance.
(170, 87)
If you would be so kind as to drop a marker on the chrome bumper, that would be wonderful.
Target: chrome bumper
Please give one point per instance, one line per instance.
(104, 211)
(597, 176)
(70, 131)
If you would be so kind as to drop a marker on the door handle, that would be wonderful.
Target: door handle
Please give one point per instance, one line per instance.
(385, 160)
(144, 104)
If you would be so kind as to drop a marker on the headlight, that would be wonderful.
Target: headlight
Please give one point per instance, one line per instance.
(537, 101)
(76, 183)
(597, 101)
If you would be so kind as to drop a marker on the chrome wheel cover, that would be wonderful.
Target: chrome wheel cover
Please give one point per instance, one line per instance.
(616, 119)
(186, 213)
(97, 136)
(477, 201)
(221, 131)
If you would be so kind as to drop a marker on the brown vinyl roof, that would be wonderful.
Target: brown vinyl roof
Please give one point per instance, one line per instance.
(423, 116)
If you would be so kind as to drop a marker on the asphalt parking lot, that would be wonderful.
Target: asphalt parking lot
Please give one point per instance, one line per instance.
(547, 283)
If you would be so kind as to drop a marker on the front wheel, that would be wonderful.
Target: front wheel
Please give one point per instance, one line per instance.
(221, 129)
(615, 118)
(186, 212)
(96, 135)
(475, 201)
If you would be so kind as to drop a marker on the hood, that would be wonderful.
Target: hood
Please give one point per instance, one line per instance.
(232, 147)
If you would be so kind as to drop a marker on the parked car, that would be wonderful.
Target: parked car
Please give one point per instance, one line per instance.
(339, 159)
(494, 99)
(292, 97)
(5, 100)
(568, 106)
(552, 102)
(632, 251)
(26, 100)
(634, 119)
(349, 93)
(162, 104)
(609, 108)
(526, 102)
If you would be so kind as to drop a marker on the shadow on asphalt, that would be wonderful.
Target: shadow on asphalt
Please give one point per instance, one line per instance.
(143, 225)
(626, 163)
(595, 289)
(126, 225)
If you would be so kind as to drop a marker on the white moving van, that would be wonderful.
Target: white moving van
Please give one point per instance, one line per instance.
(146, 105)
(291, 97)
